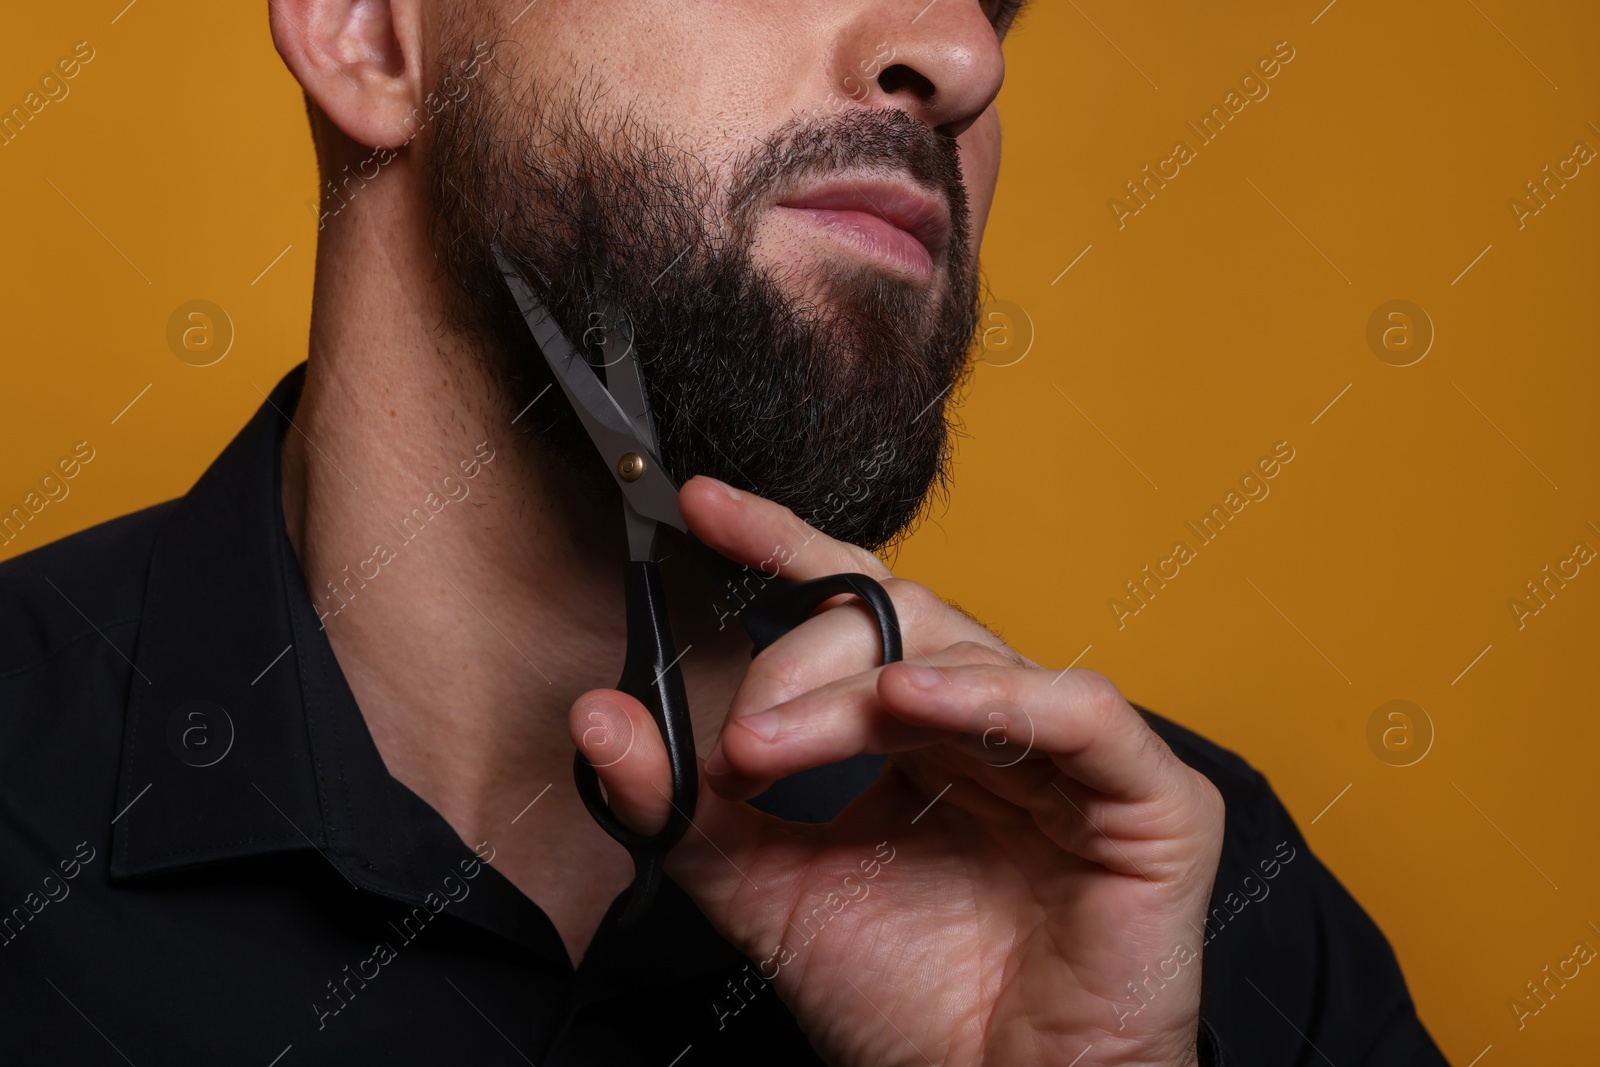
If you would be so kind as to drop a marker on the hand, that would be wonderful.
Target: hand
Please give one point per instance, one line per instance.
(1025, 883)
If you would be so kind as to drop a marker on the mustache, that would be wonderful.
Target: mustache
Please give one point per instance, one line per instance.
(807, 150)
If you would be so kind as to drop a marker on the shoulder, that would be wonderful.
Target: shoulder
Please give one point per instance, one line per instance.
(1281, 930)
(67, 590)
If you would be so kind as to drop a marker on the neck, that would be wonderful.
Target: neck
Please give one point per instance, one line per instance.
(470, 586)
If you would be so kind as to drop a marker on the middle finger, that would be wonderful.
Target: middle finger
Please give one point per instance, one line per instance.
(824, 724)
(843, 640)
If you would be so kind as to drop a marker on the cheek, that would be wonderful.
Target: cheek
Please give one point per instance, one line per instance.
(980, 165)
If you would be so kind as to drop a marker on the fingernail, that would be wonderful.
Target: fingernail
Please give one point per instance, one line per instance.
(763, 724)
(732, 493)
(717, 763)
(921, 677)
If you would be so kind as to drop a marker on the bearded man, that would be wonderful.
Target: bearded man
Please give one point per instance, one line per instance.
(289, 760)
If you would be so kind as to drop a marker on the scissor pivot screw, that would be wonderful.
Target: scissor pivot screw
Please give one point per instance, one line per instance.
(630, 467)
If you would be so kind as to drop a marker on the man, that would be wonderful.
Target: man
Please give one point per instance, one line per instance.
(288, 761)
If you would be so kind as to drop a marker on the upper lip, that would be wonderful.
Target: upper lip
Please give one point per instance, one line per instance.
(924, 217)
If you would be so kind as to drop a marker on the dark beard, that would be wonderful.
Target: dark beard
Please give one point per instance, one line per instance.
(836, 409)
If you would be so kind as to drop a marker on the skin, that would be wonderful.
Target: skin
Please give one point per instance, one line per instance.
(1046, 845)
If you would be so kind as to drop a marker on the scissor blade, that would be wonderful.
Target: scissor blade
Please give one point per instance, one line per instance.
(625, 380)
(653, 495)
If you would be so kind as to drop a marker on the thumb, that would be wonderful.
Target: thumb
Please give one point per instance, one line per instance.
(738, 864)
(616, 734)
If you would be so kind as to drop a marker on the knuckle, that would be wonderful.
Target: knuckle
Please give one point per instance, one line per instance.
(796, 527)
(1211, 796)
(1154, 746)
(871, 565)
(1100, 692)
(773, 677)
(977, 652)
(1208, 806)
(914, 602)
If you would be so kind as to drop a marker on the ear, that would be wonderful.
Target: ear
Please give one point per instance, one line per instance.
(360, 61)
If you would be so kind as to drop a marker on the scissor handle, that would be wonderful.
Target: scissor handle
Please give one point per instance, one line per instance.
(782, 605)
(777, 605)
(650, 675)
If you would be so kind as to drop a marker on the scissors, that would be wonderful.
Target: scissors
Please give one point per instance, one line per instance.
(616, 414)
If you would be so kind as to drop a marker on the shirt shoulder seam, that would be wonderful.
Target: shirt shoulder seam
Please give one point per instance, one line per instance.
(50, 654)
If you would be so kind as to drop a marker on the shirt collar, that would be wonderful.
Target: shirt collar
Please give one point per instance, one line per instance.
(216, 707)
(242, 736)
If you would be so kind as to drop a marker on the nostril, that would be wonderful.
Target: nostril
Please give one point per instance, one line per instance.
(899, 76)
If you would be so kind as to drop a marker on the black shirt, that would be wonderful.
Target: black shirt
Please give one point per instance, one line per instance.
(204, 859)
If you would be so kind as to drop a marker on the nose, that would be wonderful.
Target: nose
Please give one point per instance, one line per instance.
(940, 61)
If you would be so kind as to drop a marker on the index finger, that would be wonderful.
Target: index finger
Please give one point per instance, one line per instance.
(1078, 718)
(759, 533)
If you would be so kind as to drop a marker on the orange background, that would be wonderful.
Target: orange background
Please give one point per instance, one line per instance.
(1177, 350)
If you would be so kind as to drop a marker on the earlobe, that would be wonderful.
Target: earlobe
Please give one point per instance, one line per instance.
(358, 60)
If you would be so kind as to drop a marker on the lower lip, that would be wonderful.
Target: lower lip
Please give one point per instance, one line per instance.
(876, 237)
